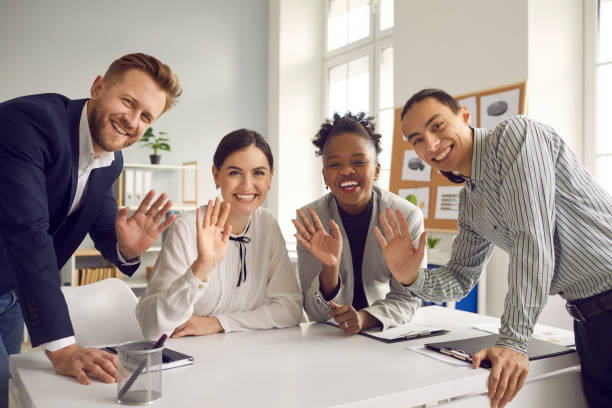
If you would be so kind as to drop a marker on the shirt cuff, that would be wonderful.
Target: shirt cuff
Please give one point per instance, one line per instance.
(418, 283)
(58, 344)
(194, 282)
(511, 344)
(125, 262)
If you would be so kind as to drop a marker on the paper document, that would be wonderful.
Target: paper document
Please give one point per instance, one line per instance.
(542, 332)
(406, 331)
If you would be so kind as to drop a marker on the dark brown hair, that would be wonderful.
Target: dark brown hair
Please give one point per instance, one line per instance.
(239, 139)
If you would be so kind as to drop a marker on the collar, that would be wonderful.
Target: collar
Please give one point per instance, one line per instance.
(478, 154)
(86, 148)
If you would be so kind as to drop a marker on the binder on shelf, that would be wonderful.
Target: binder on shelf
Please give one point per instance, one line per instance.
(146, 186)
(464, 349)
(138, 185)
(129, 187)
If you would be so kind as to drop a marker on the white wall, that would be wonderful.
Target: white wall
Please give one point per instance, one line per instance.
(461, 46)
(295, 100)
(218, 48)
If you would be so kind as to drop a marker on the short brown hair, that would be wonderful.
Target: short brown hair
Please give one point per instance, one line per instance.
(157, 70)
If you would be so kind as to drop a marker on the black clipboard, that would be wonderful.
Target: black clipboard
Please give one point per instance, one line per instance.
(170, 358)
(408, 335)
(464, 349)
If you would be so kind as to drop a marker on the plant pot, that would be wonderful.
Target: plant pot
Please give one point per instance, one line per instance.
(155, 158)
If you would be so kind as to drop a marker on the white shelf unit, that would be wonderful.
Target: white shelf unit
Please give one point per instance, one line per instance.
(69, 272)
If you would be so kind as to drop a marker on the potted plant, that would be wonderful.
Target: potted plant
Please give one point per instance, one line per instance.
(156, 142)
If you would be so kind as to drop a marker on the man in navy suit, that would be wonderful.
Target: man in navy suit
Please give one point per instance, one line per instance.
(58, 161)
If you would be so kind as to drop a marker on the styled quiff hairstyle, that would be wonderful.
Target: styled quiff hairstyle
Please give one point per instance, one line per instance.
(446, 99)
(359, 124)
(157, 70)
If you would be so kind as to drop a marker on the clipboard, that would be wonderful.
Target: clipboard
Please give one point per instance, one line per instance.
(404, 332)
(170, 358)
(464, 349)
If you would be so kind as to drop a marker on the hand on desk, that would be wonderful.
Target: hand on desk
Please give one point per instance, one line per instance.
(508, 373)
(198, 326)
(138, 232)
(350, 320)
(402, 258)
(76, 361)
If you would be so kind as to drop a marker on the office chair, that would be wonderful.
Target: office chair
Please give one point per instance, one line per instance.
(103, 313)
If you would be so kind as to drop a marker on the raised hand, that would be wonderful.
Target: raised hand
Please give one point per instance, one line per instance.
(212, 238)
(509, 370)
(79, 362)
(326, 248)
(402, 258)
(198, 326)
(138, 232)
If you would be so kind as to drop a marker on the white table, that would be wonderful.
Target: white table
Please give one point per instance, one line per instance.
(311, 365)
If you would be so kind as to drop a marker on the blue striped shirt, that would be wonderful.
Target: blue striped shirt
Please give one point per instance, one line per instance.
(529, 195)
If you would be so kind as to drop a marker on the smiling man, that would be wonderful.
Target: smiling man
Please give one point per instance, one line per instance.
(58, 161)
(527, 193)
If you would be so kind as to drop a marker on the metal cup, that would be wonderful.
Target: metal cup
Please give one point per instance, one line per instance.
(139, 373)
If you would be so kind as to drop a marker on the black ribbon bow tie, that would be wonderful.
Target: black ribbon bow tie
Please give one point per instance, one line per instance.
(242, 241)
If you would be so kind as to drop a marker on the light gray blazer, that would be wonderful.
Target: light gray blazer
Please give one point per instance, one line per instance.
(390, 302)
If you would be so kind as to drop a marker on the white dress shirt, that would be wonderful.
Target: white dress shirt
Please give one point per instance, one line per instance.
(269, 297)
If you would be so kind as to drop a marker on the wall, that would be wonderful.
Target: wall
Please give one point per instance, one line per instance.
(295, 100)
(218, 48)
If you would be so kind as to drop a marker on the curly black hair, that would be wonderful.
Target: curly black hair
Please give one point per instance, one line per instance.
(360, 124)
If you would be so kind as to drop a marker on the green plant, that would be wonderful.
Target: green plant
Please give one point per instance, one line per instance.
(432, 242)
(157, 141)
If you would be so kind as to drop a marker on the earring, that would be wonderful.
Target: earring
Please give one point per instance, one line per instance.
(217, 187)
(326, 187)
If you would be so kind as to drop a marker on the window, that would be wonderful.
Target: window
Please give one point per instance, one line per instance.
(358, 66)
(601, 80)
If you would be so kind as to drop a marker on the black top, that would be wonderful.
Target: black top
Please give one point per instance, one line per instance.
(356, 227)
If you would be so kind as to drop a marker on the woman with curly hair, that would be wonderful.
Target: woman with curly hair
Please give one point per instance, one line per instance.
(343, 273)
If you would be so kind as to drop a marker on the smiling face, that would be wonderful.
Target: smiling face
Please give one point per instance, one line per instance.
(350, 169)
(121, 111)
(244, 179)
(440, 137)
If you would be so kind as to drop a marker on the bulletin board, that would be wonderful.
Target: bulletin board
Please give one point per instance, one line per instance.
(436, 196)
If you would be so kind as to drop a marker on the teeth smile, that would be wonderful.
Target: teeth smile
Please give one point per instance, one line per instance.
(245, 196)
(443, 155)
(348, 184)
(118, 129)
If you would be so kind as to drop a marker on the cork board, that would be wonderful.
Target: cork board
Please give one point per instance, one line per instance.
(413, 179)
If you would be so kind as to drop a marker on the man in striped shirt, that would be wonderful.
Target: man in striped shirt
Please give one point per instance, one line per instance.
(527, 193)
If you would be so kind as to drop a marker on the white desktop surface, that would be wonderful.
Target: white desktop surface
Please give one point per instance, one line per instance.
(311, 365)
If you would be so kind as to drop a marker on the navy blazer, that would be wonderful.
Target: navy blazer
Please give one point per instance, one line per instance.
(39, 156)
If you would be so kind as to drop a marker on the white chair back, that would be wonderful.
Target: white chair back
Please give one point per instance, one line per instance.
(103, 313)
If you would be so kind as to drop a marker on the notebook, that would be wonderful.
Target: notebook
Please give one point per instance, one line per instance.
(464, 349)
(170, 358)
(406, 331)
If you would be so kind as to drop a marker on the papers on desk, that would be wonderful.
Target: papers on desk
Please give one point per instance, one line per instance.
(542, 332)
(406, 331)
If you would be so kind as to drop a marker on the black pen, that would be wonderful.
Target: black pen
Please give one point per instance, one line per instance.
(139, 369)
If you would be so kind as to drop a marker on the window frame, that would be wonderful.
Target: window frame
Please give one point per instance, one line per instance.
(591, 89)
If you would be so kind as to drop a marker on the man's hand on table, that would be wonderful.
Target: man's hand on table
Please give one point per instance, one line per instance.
(508, 373)
(76, 361)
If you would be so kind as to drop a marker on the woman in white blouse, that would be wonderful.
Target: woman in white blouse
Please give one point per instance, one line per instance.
(227, 270)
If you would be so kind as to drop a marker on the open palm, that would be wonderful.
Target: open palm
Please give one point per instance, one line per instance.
(212, 234)
(402, 258)
(323, 246)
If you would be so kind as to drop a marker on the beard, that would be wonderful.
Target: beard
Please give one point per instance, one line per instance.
(103, 136)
